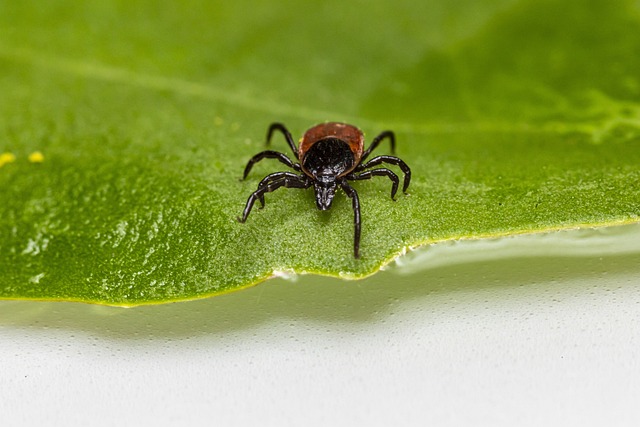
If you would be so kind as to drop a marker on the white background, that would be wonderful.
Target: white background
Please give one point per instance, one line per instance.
(524, 331)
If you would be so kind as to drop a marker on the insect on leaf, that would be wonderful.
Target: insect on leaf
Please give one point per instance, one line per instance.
(126, 127)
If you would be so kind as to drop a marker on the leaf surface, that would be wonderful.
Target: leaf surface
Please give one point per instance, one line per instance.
(126, 126)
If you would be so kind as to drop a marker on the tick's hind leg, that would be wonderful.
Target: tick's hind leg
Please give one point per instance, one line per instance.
(287, 136)
(377, 140)
(379, 172)
(353, 195)
(391, 160)
(289, 182)
(269, 154)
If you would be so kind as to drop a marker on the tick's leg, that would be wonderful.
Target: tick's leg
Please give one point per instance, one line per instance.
(274, 177)
(269, 155)
(356, 215)
(391, 160)
(286, 133)
(379, 172)
(289, 182)
(377, 140)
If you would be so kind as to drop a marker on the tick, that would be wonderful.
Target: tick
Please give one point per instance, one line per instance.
(329, 155)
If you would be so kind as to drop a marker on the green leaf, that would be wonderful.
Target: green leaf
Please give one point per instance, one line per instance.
(515, 117)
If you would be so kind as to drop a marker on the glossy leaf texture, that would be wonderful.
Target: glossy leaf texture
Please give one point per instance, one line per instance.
(125, 127)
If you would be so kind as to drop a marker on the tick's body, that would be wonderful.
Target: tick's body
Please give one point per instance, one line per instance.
(329, 155)
(333, 143)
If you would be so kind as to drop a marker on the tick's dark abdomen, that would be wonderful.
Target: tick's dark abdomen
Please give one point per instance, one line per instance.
(328, 157)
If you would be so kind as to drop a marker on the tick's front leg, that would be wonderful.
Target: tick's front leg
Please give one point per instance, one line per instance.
(293, 181)
(355, 202)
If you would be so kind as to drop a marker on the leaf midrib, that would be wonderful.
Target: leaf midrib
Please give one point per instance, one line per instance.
(107, 73)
